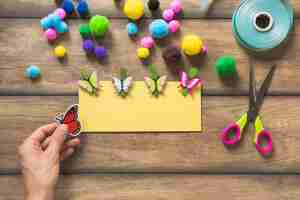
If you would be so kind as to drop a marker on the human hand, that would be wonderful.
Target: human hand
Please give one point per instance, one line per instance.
(40, 156)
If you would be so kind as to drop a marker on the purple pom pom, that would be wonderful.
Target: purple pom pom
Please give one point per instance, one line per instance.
(88, 46)
(100, 52)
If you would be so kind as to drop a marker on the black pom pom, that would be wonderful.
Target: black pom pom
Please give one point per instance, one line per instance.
(153, 4)
(172, 54)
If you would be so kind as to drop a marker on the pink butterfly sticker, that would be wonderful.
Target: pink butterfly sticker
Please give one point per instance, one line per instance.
(188, 85)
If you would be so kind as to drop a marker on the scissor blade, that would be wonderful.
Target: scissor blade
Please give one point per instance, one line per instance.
(252, 91)
(264, 90)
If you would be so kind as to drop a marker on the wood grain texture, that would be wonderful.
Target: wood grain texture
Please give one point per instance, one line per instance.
(111, 8)
(193, 153)
(22, 44)
(162, 187)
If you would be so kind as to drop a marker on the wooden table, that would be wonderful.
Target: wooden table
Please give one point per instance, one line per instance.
(149, 166)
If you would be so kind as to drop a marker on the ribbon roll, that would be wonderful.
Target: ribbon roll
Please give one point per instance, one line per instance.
(262, 25)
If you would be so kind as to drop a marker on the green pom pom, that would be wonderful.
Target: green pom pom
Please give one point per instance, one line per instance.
(99, 25)
(193, 72)
(85, 31)
(226, 66)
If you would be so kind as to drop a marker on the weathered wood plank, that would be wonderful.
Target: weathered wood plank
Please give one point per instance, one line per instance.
(177, 187)
(35, 8)
(113, 9)
(22, 44)
(173, 152)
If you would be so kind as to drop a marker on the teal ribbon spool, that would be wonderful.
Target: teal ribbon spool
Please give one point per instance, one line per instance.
(262, 25)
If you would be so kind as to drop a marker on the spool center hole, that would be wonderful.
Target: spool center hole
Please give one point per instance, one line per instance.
(263, 21)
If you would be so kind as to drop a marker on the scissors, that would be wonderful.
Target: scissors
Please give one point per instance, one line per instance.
(232, 134)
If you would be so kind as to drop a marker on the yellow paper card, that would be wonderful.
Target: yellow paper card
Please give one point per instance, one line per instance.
(139, 111)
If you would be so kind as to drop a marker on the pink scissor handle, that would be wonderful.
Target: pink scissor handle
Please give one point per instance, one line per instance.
(231, 135)
(264, 142)
(263, 139)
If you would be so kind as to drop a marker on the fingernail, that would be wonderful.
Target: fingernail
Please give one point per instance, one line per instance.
(78, 141)
(64, 127)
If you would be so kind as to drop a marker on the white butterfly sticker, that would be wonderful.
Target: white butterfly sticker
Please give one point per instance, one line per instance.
(122, 86)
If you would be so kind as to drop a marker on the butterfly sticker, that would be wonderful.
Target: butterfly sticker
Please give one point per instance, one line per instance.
(187, 85)
(156, 86)
(122, 86)
(71, 119)
(124, 83)
(89, 82)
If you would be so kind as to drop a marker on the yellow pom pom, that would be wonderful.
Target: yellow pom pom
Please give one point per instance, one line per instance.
(60, 51)
(191, 45)
(143, 53)
(133, 9)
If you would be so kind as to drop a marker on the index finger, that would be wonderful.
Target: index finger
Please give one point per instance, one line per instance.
(43, 132)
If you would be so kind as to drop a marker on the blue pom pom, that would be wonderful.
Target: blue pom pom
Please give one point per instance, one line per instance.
(50, 21)
(68, 6)
(62, 27)
(33, 72)
(46, 23)
(83, 8)
(132, 29)
(159, 29)
(55, 20)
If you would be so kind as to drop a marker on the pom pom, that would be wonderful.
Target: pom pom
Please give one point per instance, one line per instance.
(159, 29)
(100, 52)
(68, 6)
(226, 66)
(99, 25)
(88, 46)
(147, 42)
(143, 53)
(83, 8)
(50, 21)
(191, 45)
(85, 31)
(174, 26)
(33, 72)
(133, 9)
(46, 23)
(132, 29)
(50, 34)
(176, 6)
(56, 20)
(61, 13)
(168, 15)
(60, 51)
(153, 4)
(171, 54)
(62, 27)
(193, 72)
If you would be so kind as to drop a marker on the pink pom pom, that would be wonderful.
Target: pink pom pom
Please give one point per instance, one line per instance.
(50, 34)
(174, 26)
(147, 42)
(61, 13)
(168, 15)
(176, 6)
(204, 50)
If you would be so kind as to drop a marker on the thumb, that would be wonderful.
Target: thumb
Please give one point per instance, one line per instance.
(58, 138)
